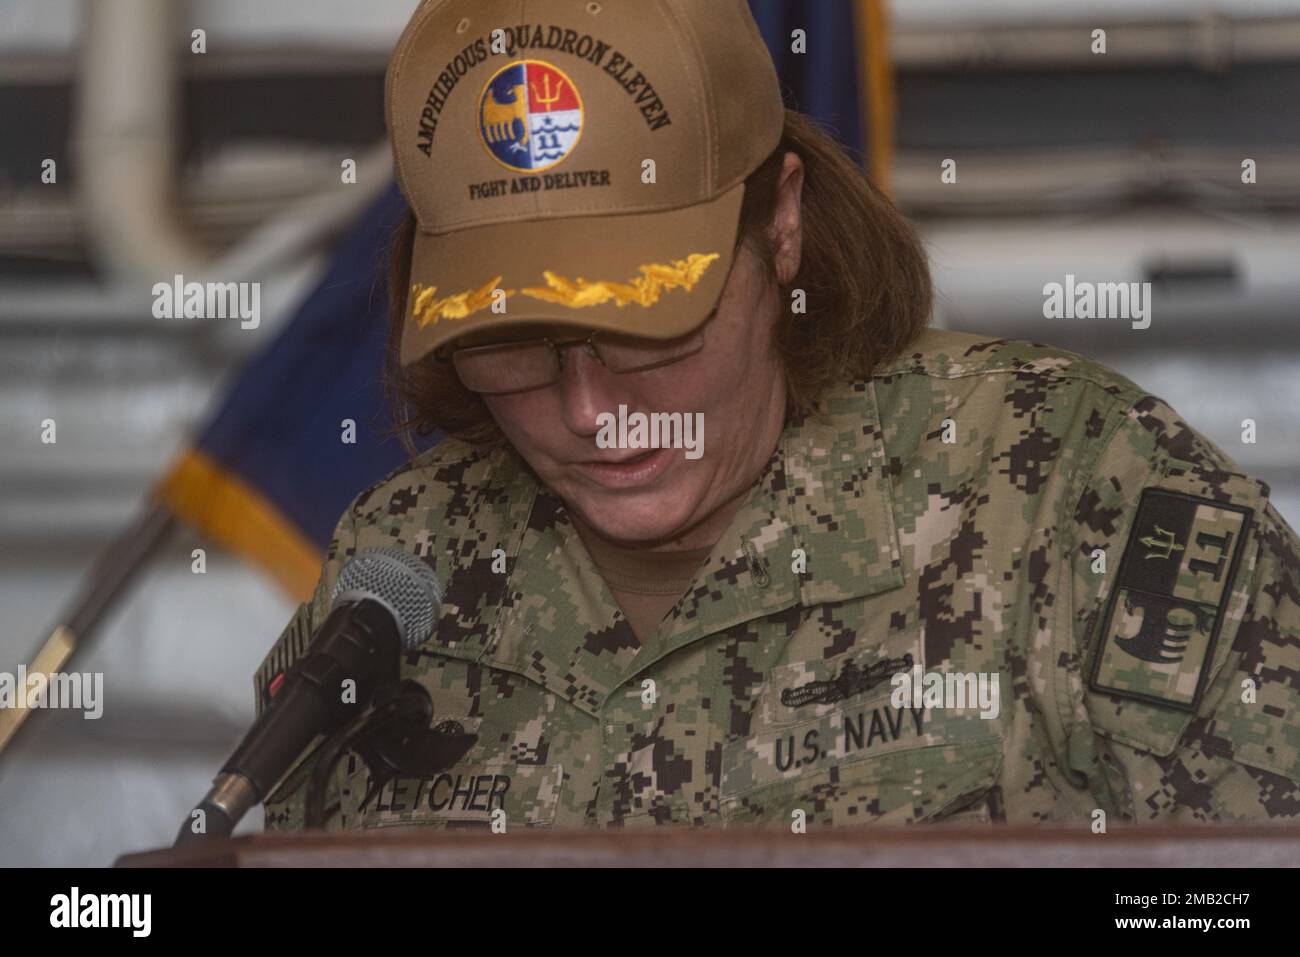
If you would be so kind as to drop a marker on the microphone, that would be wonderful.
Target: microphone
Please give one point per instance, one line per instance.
(385, 602)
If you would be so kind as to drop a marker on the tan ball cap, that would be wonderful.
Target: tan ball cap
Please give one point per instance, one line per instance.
(575, 162)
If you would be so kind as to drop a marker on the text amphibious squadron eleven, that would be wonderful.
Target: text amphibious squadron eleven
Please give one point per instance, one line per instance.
(1134, 593)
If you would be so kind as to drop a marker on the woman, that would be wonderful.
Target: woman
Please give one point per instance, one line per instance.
(727, 536)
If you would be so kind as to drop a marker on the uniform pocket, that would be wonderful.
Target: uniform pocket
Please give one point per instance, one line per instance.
(902, 786)
(830, 737)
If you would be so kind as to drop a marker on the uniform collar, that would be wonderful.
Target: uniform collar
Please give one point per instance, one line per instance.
(818, 527)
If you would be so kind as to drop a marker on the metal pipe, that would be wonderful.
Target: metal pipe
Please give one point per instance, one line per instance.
(124, 140)
(125, 146)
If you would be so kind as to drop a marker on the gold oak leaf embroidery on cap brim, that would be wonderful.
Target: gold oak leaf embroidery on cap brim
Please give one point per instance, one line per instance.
(426, 309)
(644, 290)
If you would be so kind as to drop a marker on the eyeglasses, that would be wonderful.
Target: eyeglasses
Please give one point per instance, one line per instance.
(521, 366)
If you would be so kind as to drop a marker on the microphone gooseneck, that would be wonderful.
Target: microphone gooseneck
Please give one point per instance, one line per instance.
(385, 602)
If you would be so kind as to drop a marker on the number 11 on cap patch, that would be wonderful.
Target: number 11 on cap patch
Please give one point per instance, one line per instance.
(1164, 614)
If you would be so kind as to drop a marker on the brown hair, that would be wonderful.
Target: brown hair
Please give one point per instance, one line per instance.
(863, 269)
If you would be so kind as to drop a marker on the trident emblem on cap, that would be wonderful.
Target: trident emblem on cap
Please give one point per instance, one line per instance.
(530, 116)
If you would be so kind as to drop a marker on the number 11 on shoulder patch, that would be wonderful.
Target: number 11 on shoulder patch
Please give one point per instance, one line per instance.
(1163, 616)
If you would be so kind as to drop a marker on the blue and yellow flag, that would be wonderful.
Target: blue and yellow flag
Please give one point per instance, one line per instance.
(270, 475)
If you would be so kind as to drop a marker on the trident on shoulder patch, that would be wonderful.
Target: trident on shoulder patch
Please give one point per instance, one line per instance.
(1164, 614)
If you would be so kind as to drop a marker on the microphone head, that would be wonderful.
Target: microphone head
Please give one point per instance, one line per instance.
(402, 583)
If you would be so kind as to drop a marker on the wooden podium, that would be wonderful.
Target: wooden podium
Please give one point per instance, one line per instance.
(917, 846)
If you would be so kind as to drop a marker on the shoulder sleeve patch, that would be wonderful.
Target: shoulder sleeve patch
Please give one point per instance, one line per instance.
(1157, 636)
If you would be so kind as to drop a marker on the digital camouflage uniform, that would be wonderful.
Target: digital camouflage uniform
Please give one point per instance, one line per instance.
(757, 696)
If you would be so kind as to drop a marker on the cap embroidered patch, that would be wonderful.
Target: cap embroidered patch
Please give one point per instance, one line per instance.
(1164, 614)
(530, 116)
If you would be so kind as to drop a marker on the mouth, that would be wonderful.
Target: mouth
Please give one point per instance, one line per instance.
(628, 472)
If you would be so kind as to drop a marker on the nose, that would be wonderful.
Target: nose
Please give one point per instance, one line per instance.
(587, 389)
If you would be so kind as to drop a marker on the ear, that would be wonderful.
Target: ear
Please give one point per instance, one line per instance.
(786, 230)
